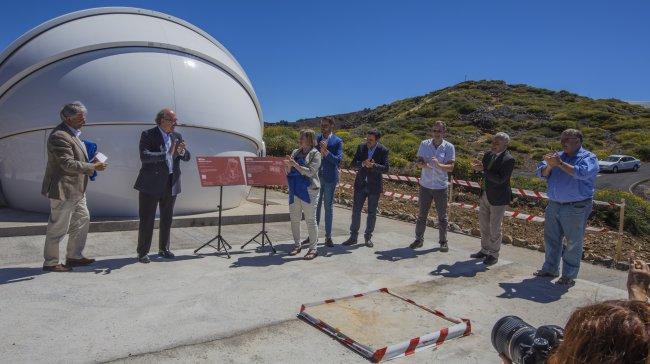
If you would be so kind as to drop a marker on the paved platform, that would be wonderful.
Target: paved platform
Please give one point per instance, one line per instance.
(24, 223)
(208, 308)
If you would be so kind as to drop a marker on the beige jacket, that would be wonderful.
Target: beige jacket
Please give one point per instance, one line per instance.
(311, 167)
(67, 171)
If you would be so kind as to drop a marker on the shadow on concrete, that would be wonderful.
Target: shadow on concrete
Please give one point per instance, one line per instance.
(282, 256)
(102, 267)
(467, 268)
(536, 289)
(394, 255)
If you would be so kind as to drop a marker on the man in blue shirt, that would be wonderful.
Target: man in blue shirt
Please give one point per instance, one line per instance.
(331, 150)
(570, 176)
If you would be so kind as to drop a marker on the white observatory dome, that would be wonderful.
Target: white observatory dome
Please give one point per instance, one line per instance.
(125, 65)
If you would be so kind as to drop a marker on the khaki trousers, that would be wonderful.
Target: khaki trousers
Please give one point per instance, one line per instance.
(297, 209)
(66, 217)
(490, 219)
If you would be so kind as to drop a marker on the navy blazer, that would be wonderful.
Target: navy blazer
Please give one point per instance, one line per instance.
(370, 177)
(154, 172)
(329, 167)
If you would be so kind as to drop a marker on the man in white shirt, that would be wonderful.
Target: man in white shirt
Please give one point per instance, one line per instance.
(436, 157)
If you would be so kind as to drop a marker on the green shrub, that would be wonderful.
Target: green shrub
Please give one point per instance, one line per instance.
(463, 168)
(642, 152)
(637, 211)
(518, 146)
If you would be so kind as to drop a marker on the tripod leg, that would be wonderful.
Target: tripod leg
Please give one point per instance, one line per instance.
(206, 244)
(252, 240)
(270, 243)
(221, 245)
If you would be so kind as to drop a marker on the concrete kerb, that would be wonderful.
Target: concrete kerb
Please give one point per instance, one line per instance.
(132, 224)
(633, 185)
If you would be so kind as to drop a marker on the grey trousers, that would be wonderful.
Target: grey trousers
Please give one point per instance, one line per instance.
(490, 219)
(439, 197)
(296, 210)
(66, 217)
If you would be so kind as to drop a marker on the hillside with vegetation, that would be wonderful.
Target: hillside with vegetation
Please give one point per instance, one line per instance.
(474, 111)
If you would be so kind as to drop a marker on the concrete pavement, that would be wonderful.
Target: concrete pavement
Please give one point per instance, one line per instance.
(210, 309)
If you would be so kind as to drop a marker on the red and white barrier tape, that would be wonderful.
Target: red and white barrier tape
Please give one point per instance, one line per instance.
(513, 214)
(461, 327)
(472, 184)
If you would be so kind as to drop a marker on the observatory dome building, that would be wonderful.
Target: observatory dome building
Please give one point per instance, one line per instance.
(124, 64)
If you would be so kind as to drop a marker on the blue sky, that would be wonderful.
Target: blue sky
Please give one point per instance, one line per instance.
(325, 57)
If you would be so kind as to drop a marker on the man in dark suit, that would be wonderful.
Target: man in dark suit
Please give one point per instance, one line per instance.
(370, 161)
(161, 150)
(496, 167)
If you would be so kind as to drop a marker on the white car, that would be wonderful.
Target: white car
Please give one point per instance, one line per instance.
(617, 162)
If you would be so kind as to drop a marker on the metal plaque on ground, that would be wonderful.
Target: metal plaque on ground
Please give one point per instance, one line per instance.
(381, 325)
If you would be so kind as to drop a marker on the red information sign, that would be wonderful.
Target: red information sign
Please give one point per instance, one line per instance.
(220, 171)
(265, 171)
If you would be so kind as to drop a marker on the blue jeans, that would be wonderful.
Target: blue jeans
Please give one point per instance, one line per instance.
(565, 221)
(357, 205)
(327, 199)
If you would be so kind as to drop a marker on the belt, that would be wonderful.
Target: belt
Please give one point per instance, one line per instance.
(572, 202)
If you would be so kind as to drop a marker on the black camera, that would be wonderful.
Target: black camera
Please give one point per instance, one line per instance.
(522, 343)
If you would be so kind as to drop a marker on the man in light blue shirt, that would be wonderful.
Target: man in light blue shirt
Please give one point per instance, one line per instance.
(436, 157)
(570, 176)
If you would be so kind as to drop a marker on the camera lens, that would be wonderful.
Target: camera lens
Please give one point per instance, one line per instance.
(510, 336)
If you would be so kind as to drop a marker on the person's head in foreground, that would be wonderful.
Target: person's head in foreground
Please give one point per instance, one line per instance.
(610, 332)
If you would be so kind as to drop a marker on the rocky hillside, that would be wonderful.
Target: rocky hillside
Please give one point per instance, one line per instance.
(474, 110)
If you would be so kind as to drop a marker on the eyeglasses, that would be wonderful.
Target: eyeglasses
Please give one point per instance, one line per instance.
(437, 130)
(569, 138)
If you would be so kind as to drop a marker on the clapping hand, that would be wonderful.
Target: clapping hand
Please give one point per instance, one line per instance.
(368, 163)
(180, 148)
(638, 279)
(477, 165)
(552, 159)
(435, 162)
(323, 148)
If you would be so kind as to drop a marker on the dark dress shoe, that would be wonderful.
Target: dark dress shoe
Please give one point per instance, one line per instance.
(166, 254)
(369, 243)
(350, 241)
(144, 259)
(490, 260)
(542, 273)
(479, 255)
(444, 247)
(416, 244)
(566, 281)
(329, 243)
(57, 268)
(69, 262)
(305, 242)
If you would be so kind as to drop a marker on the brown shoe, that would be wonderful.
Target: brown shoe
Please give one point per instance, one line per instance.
(69, 262)
(56, 268)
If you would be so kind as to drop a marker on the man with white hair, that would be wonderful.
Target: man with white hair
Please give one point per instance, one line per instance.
(159, 182)
(64, 183)
(496, 166)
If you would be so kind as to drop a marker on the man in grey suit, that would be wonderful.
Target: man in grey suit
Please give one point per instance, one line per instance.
(496, 167)
(65, 181)
(161, 150)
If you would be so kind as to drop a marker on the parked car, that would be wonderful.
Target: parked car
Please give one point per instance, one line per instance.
(615, 163)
